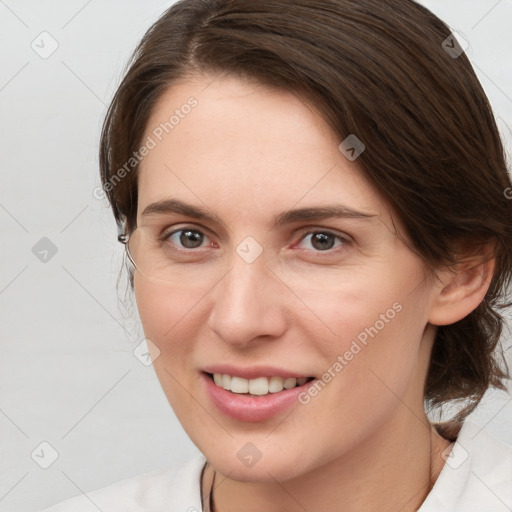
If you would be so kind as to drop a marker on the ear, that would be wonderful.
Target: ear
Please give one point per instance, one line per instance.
(462, 288)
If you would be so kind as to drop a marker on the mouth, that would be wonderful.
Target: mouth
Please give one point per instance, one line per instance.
(255, 399)
(257, 387)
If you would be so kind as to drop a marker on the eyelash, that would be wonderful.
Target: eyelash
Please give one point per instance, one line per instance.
(345, 241)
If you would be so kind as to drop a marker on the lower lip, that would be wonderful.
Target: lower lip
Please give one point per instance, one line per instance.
(252, 408)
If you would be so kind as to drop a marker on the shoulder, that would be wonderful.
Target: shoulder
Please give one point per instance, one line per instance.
(176, 487)
(477, 475)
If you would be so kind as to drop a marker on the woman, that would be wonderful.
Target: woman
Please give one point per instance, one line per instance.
(313, 198)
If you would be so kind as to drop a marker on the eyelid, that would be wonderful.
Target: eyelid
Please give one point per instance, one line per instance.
(167, 233)
(323, 229)
(343, 237)
(191, 227)
(304, 230)
(344, 240)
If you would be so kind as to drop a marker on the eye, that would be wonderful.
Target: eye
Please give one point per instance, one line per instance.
(189, 238)
(186, 238)
(323, 241)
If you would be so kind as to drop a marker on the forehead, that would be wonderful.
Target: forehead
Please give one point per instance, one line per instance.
(239, 146)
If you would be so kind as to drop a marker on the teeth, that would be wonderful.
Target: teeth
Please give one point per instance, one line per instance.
(289, 383)
(275, 384)
(239, 385)
(259, 386)
(226, 382)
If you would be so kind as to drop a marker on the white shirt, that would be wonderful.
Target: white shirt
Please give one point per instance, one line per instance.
(476, 477)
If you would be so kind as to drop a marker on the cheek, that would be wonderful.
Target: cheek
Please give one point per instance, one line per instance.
(168, 321)
(167, 318)
(368, 372)
(376, 323)
(164, 310)
(364, 310)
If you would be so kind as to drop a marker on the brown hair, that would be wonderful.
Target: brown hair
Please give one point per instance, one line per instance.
(376, 69)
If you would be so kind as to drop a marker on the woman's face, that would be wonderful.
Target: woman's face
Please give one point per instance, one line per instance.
(256, 292)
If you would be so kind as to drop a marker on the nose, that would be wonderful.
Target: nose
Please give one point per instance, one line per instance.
(249, 302)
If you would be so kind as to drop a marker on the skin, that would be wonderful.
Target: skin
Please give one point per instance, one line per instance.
(246, 153)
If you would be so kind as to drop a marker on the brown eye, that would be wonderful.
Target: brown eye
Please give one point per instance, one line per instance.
(324, 241)
(186, 238)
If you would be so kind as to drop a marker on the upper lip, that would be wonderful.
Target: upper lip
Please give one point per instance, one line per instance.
(253, 372)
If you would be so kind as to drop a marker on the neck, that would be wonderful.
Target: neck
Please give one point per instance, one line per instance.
(385, 473)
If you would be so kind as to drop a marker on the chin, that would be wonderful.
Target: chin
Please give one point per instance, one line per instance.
(267, 469)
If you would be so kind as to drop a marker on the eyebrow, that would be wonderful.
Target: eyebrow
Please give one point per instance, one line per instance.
(312, 213)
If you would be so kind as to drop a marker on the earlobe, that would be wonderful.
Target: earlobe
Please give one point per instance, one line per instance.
(461, 290)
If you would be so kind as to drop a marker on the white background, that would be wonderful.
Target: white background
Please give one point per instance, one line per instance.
(68, 375)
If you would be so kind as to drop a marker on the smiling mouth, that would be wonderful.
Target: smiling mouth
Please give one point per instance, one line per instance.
(260, 386)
